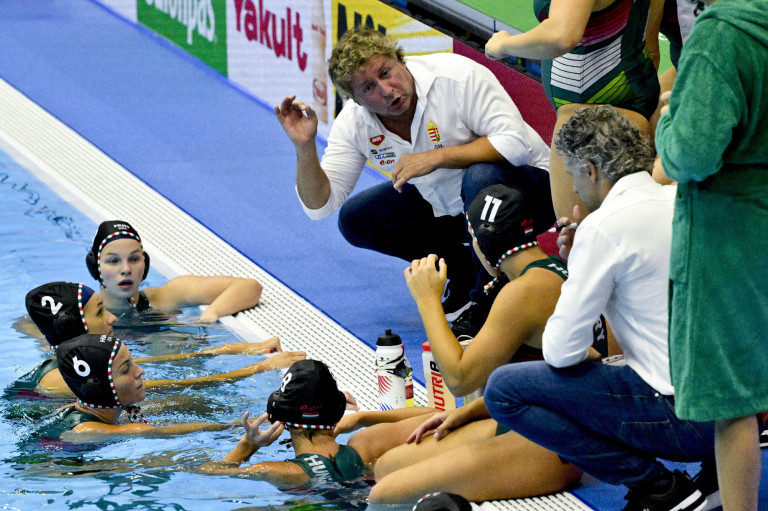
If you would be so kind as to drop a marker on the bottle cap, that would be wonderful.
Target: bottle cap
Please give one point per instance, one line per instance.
(389, 339)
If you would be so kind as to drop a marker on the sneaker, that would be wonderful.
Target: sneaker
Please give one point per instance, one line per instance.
(764, 439)
(456, 302)
(706, 482)
(682, 496)
(466, 326)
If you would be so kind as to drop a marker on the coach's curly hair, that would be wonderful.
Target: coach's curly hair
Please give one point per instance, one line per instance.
(602, 136)
(352, 52)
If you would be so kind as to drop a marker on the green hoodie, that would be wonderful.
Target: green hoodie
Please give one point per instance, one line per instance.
(715, 116)
(714, 142)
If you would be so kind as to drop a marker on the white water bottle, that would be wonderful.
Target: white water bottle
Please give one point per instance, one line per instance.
(393, 372)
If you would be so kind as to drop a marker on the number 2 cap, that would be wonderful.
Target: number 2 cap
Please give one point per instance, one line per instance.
(56, 309)
(85, 363)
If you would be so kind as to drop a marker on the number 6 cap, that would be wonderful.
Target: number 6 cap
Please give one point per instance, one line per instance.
(56, 309)
(502, 221)
(85, 363)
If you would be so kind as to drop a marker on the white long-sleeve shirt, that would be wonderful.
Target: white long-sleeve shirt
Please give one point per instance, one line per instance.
(458, 102)
(619, 266)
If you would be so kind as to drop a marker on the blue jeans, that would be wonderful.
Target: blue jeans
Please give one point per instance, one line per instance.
(403, 224)
(604, 419)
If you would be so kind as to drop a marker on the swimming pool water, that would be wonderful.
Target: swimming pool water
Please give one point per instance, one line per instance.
(45, 239)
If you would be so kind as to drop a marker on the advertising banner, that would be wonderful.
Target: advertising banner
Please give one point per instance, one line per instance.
(276, 48)
(279, 48)
(415, 37)
(197, 26)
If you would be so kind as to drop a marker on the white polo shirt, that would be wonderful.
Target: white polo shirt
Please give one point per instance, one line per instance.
(459, 101)
(619, 266)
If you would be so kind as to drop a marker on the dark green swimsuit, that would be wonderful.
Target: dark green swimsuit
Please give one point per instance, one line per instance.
(345, 466)
(552, 263)
(32, 379)
(63, 420)
(142, 303)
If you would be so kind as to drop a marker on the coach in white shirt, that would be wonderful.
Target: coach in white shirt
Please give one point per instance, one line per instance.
(442, 125)
(612, 421)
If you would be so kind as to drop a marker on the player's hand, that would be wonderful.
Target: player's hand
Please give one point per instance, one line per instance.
(426, 278)
(494, 48)
(255, 436)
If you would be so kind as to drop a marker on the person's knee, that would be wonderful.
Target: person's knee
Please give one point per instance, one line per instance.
(565, 112)
(637, 119)
(384, 466)
(349, 224)
(499, 395)
(382, 492)
(477, 177)
(492, 396)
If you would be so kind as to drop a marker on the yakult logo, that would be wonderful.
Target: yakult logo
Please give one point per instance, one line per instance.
(196, 15)
(283, 35)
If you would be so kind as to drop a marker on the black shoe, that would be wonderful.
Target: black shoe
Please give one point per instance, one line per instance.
(764, 438)
(706, 482)
(682, 496)
(457, 302)
(470, 322)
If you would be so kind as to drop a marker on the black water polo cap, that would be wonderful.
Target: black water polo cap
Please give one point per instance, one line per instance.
(111, 230)
(85, 363)
(56, 309)
(307, 398)
(501, 218)
(442, 501)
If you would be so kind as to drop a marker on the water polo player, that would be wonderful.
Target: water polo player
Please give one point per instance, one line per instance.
(105, 379)
(64, 310)
(308, 404)
(118, 261)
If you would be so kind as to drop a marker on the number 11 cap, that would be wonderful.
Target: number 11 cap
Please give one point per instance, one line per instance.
(501, 218)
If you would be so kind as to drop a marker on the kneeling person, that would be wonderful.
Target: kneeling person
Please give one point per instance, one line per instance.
(619, 419)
